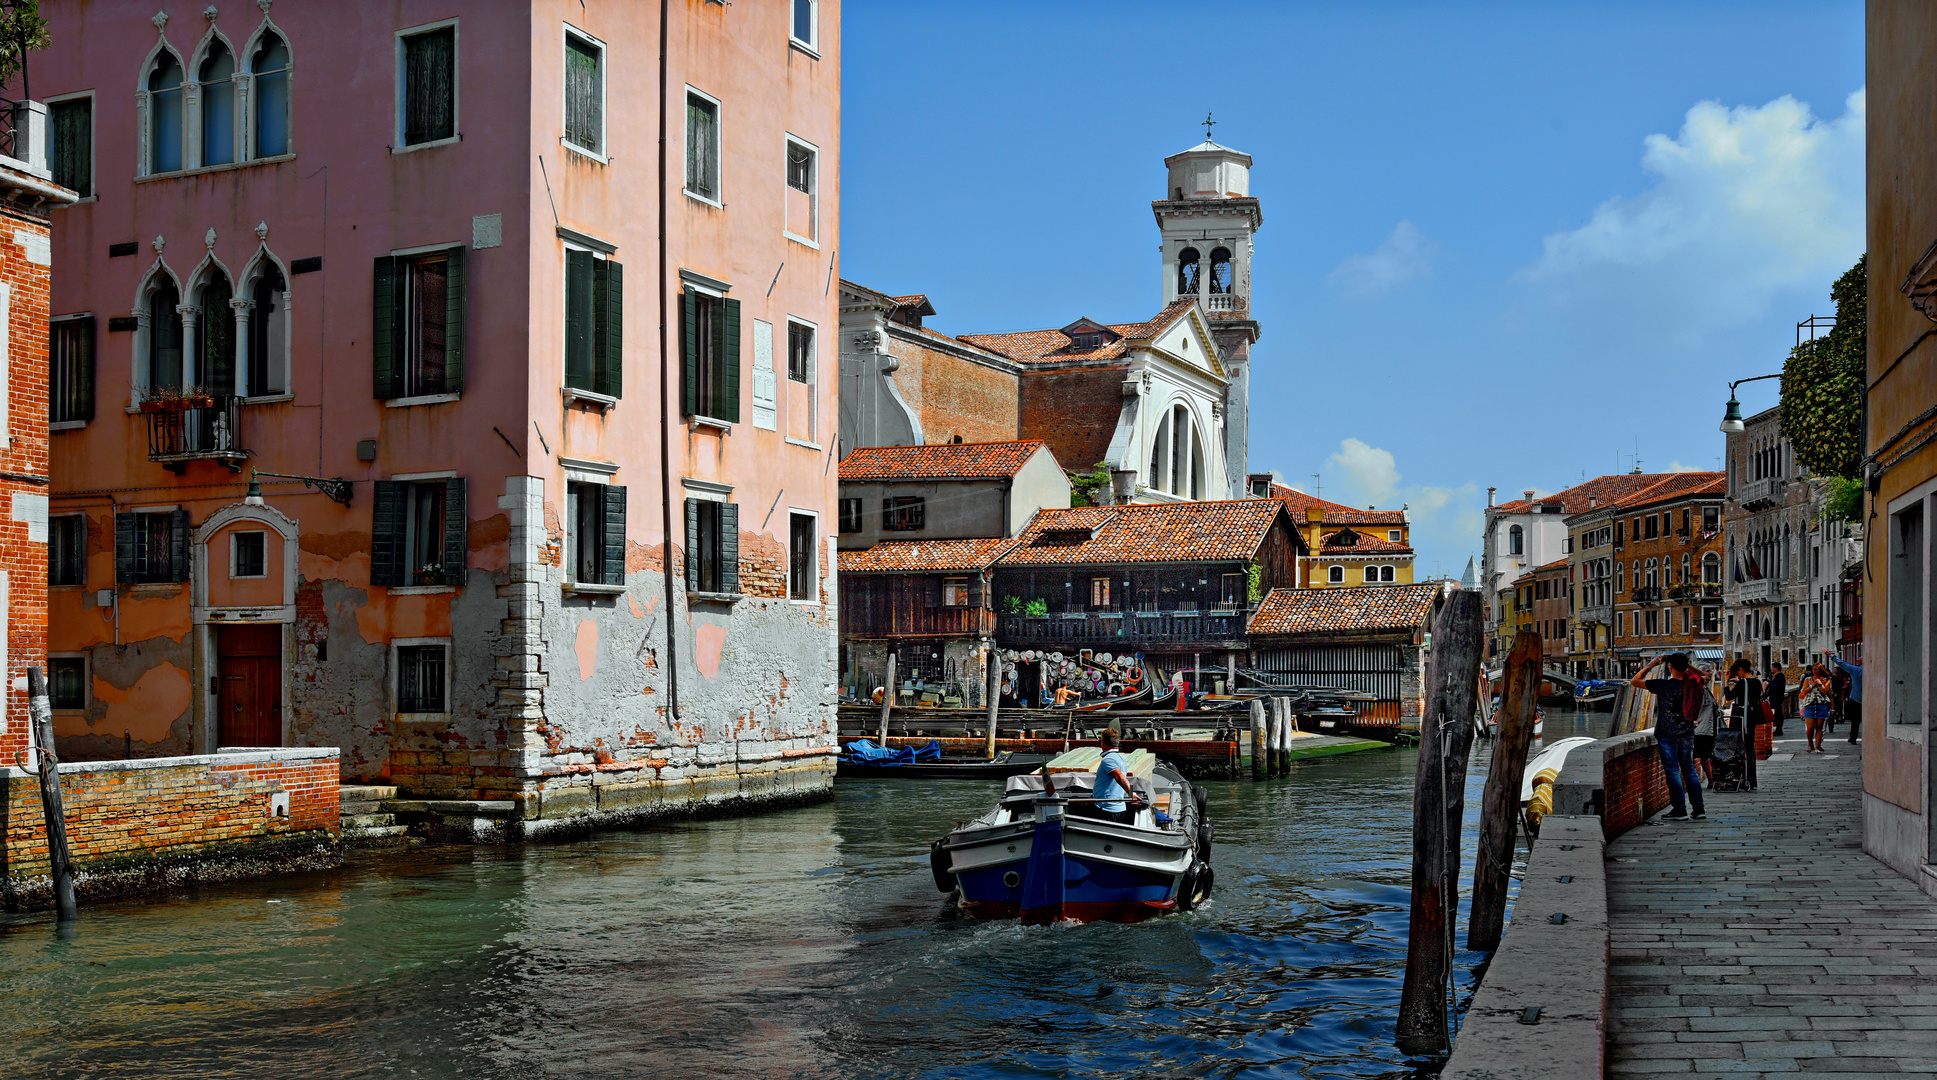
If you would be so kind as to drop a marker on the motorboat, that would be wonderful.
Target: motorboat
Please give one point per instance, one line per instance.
(863, 758)
(1537, 782)
(1593, 691)
(1028, 858)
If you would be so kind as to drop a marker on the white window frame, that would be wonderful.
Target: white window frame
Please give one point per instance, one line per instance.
(603, 157)
(1335, 574)
(811, 237)
(1922, 495)
(1393, 536)
(814, 553)
(718, 200)
(809, 45)
(235, 554)
(87, 681)
(397, 673)
(813, 383)
(93, 141)
(457, 88)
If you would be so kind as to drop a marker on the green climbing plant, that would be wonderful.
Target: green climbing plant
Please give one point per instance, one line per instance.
(1822, 385)
(1083, 486)
(1843, 499)
(1253, 582)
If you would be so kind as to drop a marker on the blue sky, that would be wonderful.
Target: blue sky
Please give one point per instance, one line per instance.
(1503, 244)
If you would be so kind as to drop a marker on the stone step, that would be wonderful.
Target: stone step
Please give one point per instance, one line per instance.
(376, 832)
(368, 821)
(470, 807)
(365, 792)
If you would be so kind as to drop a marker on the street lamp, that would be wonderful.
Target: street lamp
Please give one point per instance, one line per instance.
(1732, 417)
(334, 488)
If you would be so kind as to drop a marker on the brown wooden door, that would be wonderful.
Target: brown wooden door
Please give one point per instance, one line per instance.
(248, 698)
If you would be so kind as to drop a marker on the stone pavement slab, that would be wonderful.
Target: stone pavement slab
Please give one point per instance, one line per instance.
(1764, 942)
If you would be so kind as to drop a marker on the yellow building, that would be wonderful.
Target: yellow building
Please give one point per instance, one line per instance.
(1349, 546)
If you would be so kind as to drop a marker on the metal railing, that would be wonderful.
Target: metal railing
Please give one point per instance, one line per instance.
(1760, 494)
(179, 431)
(1128, 627)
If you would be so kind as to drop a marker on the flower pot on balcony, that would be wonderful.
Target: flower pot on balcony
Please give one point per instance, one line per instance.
(178, 404)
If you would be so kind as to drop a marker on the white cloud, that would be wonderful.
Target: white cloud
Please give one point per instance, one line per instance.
(1747, 200)
(1446, 521)
(1676, 466)
(1404, 255)
(1370, 472)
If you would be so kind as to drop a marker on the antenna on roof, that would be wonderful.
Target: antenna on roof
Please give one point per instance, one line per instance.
(1208, 125)
(1318, 487)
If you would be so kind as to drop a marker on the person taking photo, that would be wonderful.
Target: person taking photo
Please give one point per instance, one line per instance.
(1678, 701)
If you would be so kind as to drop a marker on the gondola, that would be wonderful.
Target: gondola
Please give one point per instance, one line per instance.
(862, 758)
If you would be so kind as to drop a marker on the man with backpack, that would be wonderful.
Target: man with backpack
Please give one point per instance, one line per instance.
(1678, 702)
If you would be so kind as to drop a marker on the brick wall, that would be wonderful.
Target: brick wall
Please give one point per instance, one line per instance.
(952, 395)
(1074, 410)
(24, 268)
(1633, 785)
(133, 826)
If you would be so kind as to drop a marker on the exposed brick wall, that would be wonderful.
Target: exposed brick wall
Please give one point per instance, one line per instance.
(120, 813)
(23, 553)
(1633, 788)
(1074, 410)
(954, 396)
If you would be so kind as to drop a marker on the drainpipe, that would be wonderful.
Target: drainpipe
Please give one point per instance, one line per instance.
(665, 407)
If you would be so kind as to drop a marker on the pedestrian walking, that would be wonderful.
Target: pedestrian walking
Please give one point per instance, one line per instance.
(1742, 711)
(1777, 687)
(1678, 701)
(1839, 690)
(1815, 707)
(1704, 743)
(1854, 699)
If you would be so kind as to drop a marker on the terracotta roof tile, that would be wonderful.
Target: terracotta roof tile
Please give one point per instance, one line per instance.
(1335, 513)
(1677, 486)
(944, 461)
(1223, 531)
(1053, 346)
(903, 556)
(1354, 542)
(1557, 564)
(1345, 609)
(1603, 489)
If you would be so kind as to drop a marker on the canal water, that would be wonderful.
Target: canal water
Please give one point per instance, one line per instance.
(809, 943)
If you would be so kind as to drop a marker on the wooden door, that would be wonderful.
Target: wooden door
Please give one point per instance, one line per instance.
(248, 698)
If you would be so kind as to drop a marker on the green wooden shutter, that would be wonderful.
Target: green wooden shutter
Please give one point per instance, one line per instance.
(124, 549)
(608, 305)
(386, 355)
(692, 545)
(178, 534)
(457, 532)
(612, 561)
(578, 321)
(83, 369)
(454, 324)
(689, 353)
(387, 535)
(729, 547)
(728, 399)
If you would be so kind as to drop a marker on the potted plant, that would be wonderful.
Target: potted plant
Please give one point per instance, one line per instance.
(176, 399)
(430, 574)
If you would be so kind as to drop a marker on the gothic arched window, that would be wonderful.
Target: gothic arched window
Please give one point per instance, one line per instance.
(217, 76)
(215, 336)
(165, 114)
(164, 337)
(270, 102)
(268, 332)
(1221, 270)
(1187, 272)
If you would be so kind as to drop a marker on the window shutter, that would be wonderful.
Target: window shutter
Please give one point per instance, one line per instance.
(387, 535)
(689, 356)
(178, 543)
(730, 546)
(83, 369)
(454, 323)
(692, 545)
(612, 565)
(608, 306)
(457, 531)
(729, 389)
(388, 380)
(124, 549)
(975, 591)
(578, 321)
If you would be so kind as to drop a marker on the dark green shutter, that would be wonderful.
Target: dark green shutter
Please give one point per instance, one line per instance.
(457, 532)
(387, 535)
(578, 321)
(689, 353)
(727, 401)
(124, 549)
(454, 324)
(82, 369)
(608, 305)
(692, 545)
(612, 562)
(729, 547)
(178, 530)
(386, 357)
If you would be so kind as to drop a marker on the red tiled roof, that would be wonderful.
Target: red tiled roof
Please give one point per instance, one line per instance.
(1603, 489)
(1678, 486)
(918, 301)
(1362, 544)
(1344, 609)
(1223, 531)
(1335, 513)
(1053, 346)
(944, 461)
(1557, 564)
(903, 556)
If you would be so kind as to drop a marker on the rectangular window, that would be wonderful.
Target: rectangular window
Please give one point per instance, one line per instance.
(803, 190)
(850, 515)
(1650, 527)
(1711, 518)
(1393, 535)
(801, 571)
(428, 112)
(596, 540)
(248, 555)
(421, 678)
(1099, 592)
(418, 336)
(420, 532)
(70, 144)
(584, 93)
(151, 547)
(712, 546)
(67, 550)
(710, 350)
(67, 682)
(702, 147)
(903, 513)
(804, 21)
(955, 592)
(800, 352)
(1711, 620)
(594, 323)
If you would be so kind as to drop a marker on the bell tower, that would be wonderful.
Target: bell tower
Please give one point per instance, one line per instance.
(1207, 220)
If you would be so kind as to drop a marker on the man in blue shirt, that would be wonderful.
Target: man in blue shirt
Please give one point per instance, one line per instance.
(1111, 788)
(1854, 703)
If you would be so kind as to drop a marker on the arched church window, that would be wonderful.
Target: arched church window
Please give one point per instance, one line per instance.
(1187, 272)
(1221, 270)
(164, 337)
(165, 114)
(217, 77)
(270, 65)
(215, 336)
(1160, 453)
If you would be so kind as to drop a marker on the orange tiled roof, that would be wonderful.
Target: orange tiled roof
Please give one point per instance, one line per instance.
(1054, 346)
(944, 461)
(1557, 564)
(1224, 531)
(1603, 489)
(1335, 513)
(905, 556)
(1677, 486)
(918, 301)
(1344, 609)
(1361, 544)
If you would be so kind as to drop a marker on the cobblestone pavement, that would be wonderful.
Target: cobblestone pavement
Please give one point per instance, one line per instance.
(1764, 942)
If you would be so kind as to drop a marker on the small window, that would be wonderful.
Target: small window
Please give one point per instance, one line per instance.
(1372, 574)
(955, 592)
(803, 190)
(596, 540)
(151, 547)
(215, 335)
(268, 333)
(428, 112)
(584, 93)
(67, 682)
(1336, 575)
(850, 515)
(1386, 574)
(248, 554)
(70, 144)
(424, 524)
(420, 532)
(1099, 592)
(800, 352)
(903, 513)
(1516, 541)
(67, 550)
(806, 14)
(703, 147)
(421, 678)
(70, 390)
(419, 333)
(1392, 535)
(802, 573)
(1711, 518)
(712, 546)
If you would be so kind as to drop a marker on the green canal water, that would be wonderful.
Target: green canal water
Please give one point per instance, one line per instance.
(809, 943)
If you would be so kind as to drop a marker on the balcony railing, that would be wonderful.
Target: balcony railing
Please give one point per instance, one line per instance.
(1760, 494)
(1223, 302)
(1120, 627)
(1596, 614)
(195, 429)
(1762, 591)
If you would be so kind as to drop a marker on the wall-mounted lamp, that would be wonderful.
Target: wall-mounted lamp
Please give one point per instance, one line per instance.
(334, 488)
(1732, 416)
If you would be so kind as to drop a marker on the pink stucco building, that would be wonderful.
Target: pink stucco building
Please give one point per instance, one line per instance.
(542, 321)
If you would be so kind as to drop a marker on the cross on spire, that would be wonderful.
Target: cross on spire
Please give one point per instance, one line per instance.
(1208, 124)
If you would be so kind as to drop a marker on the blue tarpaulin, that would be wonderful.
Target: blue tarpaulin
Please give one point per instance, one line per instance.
(867, 752)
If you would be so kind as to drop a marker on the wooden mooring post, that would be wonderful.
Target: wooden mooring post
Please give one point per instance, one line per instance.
(887, 698)
(1260, 745)
(1281, 743)
(41, 717)
(995, 696)
(1445, 734)
(1500, 806)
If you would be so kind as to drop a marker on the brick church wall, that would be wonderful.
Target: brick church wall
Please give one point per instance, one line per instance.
(1074, 410)
(952, 395)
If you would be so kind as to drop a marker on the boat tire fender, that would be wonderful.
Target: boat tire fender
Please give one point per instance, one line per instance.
(1187, 890)
(1202, 798)
(938, 861)
(1204, 833)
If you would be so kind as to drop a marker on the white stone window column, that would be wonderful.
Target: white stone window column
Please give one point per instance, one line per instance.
(138, 367)
(143, 134)
(243, 308)
(190, 354)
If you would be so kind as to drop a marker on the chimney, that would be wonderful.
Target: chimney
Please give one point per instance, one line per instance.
(1592, 500)
(1529, 494)
(1489, 497)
